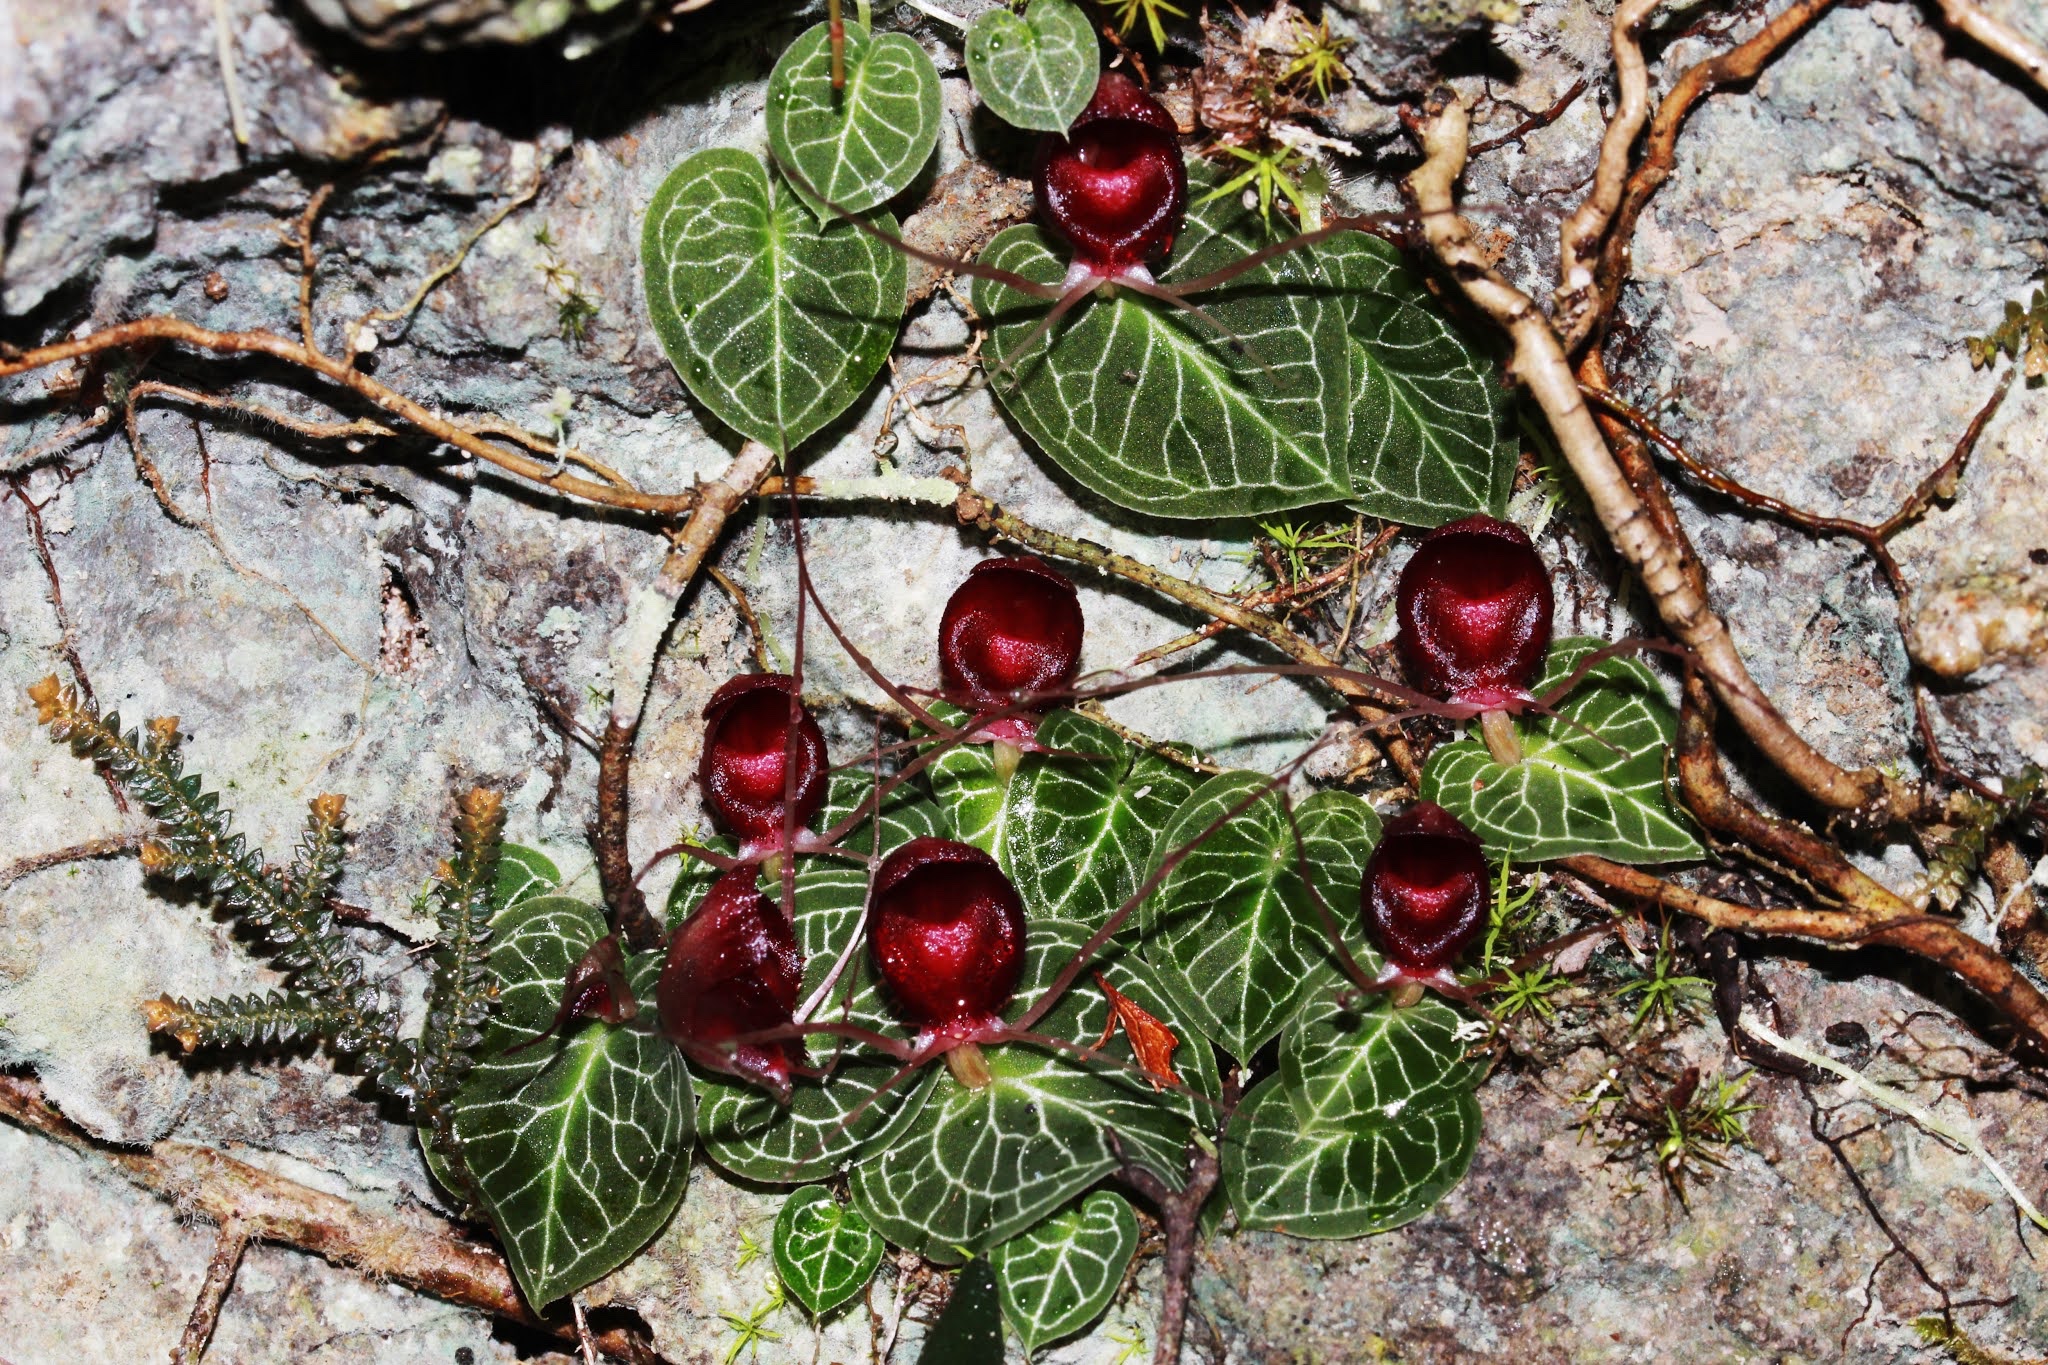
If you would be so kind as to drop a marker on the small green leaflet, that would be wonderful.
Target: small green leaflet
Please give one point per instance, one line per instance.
(775, 323)
(1340, 1182)
(1371, 1120)
(1150, 407)
(1232, 931)
(860, 146)
(971, 1169)
(1574, 793)
(579, 1147)
(970, 1330)
(1074, 829)
(1037, 70)
(1430, 416)
(1058, 1277)
(824, 1251)
(523, 873)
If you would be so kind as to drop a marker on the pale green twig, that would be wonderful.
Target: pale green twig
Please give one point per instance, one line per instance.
(1962, 1135)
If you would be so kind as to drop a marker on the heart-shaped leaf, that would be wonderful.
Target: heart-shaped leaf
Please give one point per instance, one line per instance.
(1036, 70)
(579, 1147)
(1152, 408)
(860, 146)
(1602, 792)
(1232, 932)
(775, 323)
(1057, 1278)
(1073, 827)
(970, 1330)
(973, 1168)
(1429, 415)
(824, 1250)
(523, 873)
(1369, 1063)
(1343, 1180)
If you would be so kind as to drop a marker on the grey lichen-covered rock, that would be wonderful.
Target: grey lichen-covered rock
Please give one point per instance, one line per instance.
(1399, 45)
(126, 108)
(1959, 628)
(578, 25)
(377, 618)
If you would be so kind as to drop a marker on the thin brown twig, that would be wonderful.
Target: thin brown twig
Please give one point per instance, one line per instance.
(1939, 483)
(1535, 121)
(635, 648)
(316, 431)
(211, 526)
(309, 263)
(1709, 797)
(109, 846)
(1929, 937)
(66, 438)
(146, 467)
(491, 425)
(744, 605)
(1580, 235)
(2002, 39)
(169, 329)
(1287, 594)
(67, 638)
(228, 1245)
(435, 277)
(1733, 67)
(418, 1252)
(1180, 1218)
(1539, 362)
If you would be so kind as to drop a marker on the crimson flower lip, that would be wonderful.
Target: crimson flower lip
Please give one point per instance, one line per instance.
(733, 969)
(1425, 894)
(1012, 628)
(1115, 185)
(744, 771)
(948, 938)
(1475, 606)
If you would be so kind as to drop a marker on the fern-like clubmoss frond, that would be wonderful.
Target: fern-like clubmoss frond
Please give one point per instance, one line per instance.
(288, 908)
(273, 1019)
(1953, 862)
(461, 994)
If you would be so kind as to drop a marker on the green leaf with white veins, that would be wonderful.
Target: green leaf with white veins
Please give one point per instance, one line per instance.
(1429, 415)
(1344, 1180)
(1346, 1066)
(1036, 70)
(860, 146)
(775, 323)
(974, 1168)
(1232, 931)
(906, 813)
(579, 1147)
(824, 1251)
(1155, 410)
(523, 873)
(1075, 827)
(1602, 792)
(1058, 1277)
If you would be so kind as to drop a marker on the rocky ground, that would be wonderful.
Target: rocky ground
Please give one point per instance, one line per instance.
(374, 617)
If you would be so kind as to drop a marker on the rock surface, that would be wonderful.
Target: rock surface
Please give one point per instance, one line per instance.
(373, 617)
